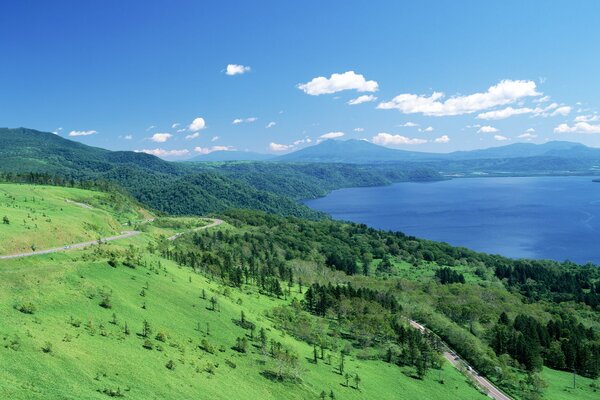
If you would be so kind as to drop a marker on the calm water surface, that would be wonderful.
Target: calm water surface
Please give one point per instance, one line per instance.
(543, 217)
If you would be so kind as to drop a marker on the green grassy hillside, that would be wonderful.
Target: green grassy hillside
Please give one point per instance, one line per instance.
(73, 328)
(42, 217)
(205, 316)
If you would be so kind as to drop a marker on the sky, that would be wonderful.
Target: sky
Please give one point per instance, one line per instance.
(179, 79)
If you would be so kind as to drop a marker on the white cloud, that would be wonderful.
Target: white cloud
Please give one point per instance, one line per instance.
(57, 131)
(527, 136)
(505, 113)
(193, 135)
(128, 137)
(302, 141)
(332, 135)
(337, 82)
(409, 124)
(428, 129)
(505, 92)
(161, 137)
(238, 121)
(164, 153)
(500, 138)
(542, 99)
(579, 127)
(395, 140)
(175, 125)
(271, 124)
(215, 138)
(236, 69)
(564, 111)
(82, 133)
(358, 129)
(587, 118)
(150, 128)
(487, 129)
(442, 139)
(550, 110)
(197, 124)
(207, 150)
(280, 147)
(365, 98)
(181, 130)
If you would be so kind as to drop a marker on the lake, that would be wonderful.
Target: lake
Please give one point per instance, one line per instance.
(541, 217)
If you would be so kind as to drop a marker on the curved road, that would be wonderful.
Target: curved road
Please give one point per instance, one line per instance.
(123, 235)
(489, 387)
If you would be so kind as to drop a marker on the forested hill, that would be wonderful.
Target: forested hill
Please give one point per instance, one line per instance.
(188, 188)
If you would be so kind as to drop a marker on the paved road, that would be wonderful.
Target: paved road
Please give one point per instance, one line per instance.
(492, 391)
(214, 222)
(123, 235)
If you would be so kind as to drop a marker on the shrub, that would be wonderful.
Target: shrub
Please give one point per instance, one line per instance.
(170, 365)
(47, 347)
(26, 307)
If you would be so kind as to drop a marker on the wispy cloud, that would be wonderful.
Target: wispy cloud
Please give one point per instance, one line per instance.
(238, 121)
(332, 135)
(164, 153)
(365, 98)
(82, 133)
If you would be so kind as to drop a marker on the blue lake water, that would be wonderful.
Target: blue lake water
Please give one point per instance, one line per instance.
(542, 217)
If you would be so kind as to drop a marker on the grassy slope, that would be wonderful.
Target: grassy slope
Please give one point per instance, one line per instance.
(47, 216)
(83, 361)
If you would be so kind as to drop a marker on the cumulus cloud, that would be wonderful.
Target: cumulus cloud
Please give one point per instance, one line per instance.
(337, 82)
(236, 69)
(332, 135)
(207, 150)
(505, 92)
(193, 135)
(365, 98)
(500, 138)
(579, 127)
(82, 133)
(442, 139)
(164, 153)
(395, 140)
(487, 129)
(271, 124)
(280, 147)
(161, 137)
(197, 124)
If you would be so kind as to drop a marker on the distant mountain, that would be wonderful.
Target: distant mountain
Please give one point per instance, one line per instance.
(223, 155)
(352, 151)
(363, 152)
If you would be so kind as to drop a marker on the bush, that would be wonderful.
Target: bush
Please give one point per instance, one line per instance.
(47, 347)
(26, 307)
(170, 365)
(148, 344)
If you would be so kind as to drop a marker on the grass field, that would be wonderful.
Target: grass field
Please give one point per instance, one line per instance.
(42, 217)
(560, 386)
(72, 324)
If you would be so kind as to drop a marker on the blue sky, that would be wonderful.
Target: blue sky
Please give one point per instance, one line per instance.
(434, 76)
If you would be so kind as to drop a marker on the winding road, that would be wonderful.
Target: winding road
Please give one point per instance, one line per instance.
(491, 390)
(123, 235)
